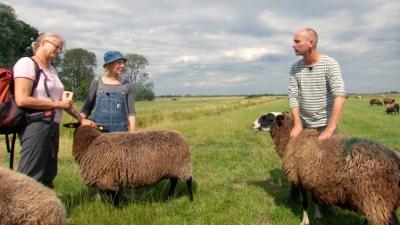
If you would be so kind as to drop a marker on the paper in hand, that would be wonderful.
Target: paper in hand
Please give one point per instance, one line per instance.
(67, 95)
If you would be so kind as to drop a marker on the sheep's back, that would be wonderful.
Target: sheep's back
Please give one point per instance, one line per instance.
(306, 152)
(344, 171)
(373, 168)
(25, 201)
(316, 164)
(122, 159)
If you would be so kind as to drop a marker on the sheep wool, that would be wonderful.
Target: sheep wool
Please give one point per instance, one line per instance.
(111, 161)
(24, 201)
(355, 174)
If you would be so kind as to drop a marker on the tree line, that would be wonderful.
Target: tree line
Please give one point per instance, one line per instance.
(76, 67)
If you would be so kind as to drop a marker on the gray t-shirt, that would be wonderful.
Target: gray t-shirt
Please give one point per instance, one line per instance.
(91, 97)
(314, 89)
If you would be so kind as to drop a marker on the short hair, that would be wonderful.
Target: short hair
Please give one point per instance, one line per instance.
(313, 34)
(35, 45)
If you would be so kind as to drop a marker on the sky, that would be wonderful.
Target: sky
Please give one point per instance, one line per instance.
(233, 47)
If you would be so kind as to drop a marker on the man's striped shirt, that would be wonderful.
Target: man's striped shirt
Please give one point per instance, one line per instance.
(314, 89)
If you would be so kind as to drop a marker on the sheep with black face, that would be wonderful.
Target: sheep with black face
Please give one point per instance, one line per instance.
(355, 174)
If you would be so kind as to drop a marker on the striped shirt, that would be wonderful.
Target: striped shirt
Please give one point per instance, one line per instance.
(314, 89)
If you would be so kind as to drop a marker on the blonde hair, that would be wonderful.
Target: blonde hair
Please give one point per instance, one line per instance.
(35, 45)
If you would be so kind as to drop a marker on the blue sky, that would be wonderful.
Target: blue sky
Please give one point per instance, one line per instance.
(230, 47)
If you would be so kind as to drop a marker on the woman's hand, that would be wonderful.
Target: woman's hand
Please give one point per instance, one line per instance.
(87, 122)
(64, 104)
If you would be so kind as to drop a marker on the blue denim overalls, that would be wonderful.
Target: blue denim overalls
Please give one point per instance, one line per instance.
(111, 110)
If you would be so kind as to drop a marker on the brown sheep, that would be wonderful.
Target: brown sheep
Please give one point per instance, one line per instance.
(375, 101)
(392, 108)
(388, 100)
(112, 161)
(24, 201)
(353, 173)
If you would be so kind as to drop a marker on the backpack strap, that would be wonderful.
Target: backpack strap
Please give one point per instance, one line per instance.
(10, 149)
(38, 72)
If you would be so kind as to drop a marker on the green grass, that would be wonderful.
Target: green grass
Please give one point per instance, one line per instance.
(237, 174)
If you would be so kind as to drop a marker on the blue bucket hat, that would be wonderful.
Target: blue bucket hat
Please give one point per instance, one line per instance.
(112, 56)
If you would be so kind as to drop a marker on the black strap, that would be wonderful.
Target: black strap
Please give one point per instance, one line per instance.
(38, 72)
(10, 149)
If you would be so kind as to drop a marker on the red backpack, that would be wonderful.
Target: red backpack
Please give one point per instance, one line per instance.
(12, 118)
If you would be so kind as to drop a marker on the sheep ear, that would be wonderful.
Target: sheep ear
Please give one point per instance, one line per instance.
(71, 125)
(279, 120)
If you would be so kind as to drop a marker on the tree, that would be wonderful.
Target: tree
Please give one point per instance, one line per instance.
(135, 73)
(135, 68)
(15, 37)
(144, 91)
(77, 71)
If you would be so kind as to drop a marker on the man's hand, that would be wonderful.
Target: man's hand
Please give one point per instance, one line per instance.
(296, 130)
(326, 134)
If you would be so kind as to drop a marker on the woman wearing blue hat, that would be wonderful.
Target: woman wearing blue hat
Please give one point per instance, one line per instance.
(111, 101)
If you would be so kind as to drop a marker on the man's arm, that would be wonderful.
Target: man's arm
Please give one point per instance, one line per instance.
(334, 118)
(297, 124)
(293, 94)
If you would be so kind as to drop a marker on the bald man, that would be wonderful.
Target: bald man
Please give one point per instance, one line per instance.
(316, 89)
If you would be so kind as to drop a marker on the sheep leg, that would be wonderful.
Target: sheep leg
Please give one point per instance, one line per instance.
(317, 214)
(110, 196)
(317, 210)
(173, 182)
(394, 219)
(190, 190)
(305, 221)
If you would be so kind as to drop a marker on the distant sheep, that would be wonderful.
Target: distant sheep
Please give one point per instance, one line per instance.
(392, 108)
(112, 161)
(375, 101)
(359, 97)
(388, 100)
(24, 201)
(355, 174)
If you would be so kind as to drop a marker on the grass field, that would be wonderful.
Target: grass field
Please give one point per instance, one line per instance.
(237, 174)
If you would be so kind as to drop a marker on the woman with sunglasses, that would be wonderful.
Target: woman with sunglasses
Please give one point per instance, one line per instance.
(39, 90)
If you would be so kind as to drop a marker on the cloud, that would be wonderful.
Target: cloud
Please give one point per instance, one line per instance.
(219, 47)
(213, 81)
(249, 54)
(187, 58)
(237, 79)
